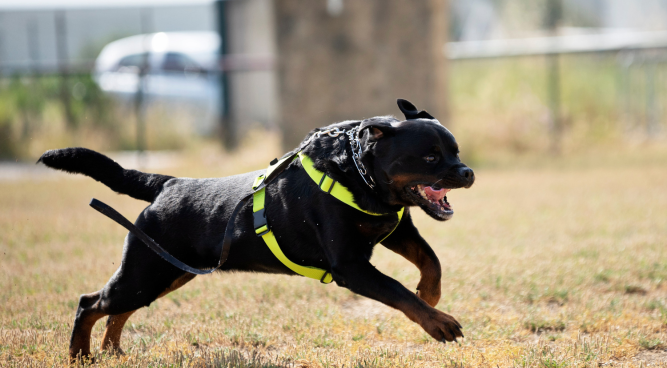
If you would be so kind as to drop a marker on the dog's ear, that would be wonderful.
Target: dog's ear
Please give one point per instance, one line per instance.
(410, 111)
(377, 128)
(407, 108)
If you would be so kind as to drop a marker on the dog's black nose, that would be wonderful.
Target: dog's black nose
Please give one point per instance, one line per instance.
(468, 174)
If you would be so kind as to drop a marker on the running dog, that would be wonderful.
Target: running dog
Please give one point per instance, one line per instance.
(385, 166)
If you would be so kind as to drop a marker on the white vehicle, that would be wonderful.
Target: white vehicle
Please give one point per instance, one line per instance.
(180, 67)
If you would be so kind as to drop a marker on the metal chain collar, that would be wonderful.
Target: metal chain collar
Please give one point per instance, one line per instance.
(355, 144)
(353, 137)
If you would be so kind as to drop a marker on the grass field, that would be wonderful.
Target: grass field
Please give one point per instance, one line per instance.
(547, 263)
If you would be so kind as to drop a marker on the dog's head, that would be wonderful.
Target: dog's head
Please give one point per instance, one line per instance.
(415, 161)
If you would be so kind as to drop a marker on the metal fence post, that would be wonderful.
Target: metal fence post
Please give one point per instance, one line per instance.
(227, 123)
(2, 42)
(625, 60)
(61, 52)
(553, 17)
(33, 55)
(553, 90)
(140, 96)
(651, 105)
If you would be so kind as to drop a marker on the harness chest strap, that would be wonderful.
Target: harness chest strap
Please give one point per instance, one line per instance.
(324, 181)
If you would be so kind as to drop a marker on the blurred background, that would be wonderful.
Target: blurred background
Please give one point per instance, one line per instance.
(510, 78)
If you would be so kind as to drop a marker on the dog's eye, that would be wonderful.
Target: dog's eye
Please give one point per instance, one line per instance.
(430, 158)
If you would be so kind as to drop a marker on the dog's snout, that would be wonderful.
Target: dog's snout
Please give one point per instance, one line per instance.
(468, 174)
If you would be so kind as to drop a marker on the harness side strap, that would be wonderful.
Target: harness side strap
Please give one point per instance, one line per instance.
(262, 229)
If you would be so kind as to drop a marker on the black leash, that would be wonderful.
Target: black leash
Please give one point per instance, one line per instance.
(229, 231)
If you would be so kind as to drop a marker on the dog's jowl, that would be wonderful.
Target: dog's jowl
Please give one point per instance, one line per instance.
(357, 181)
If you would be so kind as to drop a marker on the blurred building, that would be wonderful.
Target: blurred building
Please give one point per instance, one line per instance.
(28, 35)
(42, 37)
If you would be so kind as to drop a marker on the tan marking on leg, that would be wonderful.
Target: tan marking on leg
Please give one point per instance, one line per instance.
(111, 338)
(86, 315)
(80, 341)
(429, 285)
(115, 324)
(178, 283)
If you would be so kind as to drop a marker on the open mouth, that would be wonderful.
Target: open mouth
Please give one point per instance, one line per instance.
(433, 201)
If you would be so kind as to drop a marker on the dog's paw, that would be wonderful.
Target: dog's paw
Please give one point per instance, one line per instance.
(442, 327)
(82, 360)
(115, 351)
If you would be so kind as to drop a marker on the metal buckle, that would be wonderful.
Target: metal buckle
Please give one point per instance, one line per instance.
(259, 183)
(259, 220)
(333, 182)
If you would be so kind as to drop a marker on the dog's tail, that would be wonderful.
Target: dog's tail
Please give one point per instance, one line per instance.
(79, 160)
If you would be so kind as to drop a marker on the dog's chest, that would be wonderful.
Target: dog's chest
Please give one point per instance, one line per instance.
(375, 229)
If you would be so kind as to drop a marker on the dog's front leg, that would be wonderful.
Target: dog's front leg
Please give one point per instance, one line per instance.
(362, 278)
(406, 241)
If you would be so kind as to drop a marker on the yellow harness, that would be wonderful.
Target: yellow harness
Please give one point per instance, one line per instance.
(326, 184)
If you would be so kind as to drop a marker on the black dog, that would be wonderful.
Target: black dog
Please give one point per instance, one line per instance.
(407, 163)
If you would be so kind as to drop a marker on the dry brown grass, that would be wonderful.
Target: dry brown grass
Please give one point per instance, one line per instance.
(552, 265)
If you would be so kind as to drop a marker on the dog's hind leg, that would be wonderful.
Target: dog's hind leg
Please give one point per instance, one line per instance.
(111, 338)
(86, 315)
(115, 323)
(142, 278)
(123, 295)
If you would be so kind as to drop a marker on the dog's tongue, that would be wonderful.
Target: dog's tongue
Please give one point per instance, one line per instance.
(435, 195)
